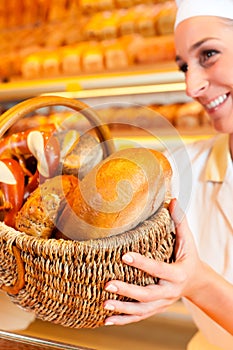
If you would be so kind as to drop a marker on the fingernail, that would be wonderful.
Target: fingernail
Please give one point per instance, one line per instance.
(127, 258)
(111, 288)
(109, 323)
(109, 307)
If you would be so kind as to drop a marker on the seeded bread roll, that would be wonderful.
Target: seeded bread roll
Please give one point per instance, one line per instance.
(120, 192)
(38, 214)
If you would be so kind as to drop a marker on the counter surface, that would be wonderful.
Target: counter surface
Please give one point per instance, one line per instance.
(168, 331)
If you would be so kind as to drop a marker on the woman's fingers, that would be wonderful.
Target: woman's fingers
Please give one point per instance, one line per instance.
(133, 311)
(153, 298)
(134, 308)
(176, 212)
(179, 218)
(156, 269)
(152, 292)
(132, 291)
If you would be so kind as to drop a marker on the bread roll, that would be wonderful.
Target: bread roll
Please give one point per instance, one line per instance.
(83, 156)
(92, 58)
(115, 57)
(189, 115)
(71, 59)
(167, 110)
(155, 49)
(166, 19)
(108, 25)
(120, 192)
(126, 22)
(51, 65)
(38, 214)
(31, 67)
(88, 6)
(145, 23)
(124, 3)
(104, 5)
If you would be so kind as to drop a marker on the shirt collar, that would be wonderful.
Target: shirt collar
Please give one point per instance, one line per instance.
(216, 166)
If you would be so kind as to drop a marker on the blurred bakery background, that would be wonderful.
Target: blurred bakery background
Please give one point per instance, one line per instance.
(117, 56)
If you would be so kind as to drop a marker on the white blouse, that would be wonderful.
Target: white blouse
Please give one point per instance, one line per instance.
(203, 184)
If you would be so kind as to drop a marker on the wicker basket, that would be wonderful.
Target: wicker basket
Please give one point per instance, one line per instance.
(63, 281)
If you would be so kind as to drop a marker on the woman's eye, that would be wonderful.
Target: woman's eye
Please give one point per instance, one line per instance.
(183, 68)
(207, 54)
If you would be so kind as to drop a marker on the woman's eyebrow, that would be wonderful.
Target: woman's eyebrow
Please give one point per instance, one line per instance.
(199, 43)
(195, 46)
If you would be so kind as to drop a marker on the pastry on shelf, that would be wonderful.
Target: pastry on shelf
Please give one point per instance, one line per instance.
(124, 3)
(115, 55)
(127, 21)
(154, 49)
(88, 6)
(108, 25)
(71, 59)
(104, 5)
(167, 111)
(31, 67)
(51, 64)
(189, 115)
(93, 58)
(166, 19)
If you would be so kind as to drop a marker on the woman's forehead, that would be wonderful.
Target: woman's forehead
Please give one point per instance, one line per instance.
(197, 28)
(192, 32)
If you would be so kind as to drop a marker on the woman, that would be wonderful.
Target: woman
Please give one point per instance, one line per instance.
(203, 38)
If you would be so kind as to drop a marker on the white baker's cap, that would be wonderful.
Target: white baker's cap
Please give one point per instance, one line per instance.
(193, 8)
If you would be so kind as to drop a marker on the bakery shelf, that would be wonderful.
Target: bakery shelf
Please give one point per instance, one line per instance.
(161, 140)
(159, 79)
(157, 84)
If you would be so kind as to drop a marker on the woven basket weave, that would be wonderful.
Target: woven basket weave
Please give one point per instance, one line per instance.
(63, 281)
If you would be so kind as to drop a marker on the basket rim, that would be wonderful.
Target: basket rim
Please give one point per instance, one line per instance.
(13, 236)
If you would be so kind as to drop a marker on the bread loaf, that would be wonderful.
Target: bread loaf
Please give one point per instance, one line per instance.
(115, 196)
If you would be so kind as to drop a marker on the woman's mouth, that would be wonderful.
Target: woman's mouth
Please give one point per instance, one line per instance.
(216, 102)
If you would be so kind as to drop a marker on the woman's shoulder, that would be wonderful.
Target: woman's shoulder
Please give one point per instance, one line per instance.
(196, 149)
(190, 158)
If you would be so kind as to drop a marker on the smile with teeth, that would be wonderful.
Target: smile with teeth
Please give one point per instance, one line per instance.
(218, 101)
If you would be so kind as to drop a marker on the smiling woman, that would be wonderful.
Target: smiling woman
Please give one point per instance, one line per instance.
(206, 60)
(203, 275)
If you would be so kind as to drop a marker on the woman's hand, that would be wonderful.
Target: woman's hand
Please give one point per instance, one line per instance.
(175, 279)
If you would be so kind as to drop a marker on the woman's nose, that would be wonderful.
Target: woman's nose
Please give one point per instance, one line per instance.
(196, 82)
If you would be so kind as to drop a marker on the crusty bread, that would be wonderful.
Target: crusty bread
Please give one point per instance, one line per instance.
(83, 156)
(120, 192)
(38, 214)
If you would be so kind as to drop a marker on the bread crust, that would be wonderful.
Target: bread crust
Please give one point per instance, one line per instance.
(120, 192)
(38, 215)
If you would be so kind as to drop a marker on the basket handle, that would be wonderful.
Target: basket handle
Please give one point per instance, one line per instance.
(18, 111)
(20, 282)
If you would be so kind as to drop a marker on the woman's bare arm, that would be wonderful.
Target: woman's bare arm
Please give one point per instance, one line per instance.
(187, 277)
